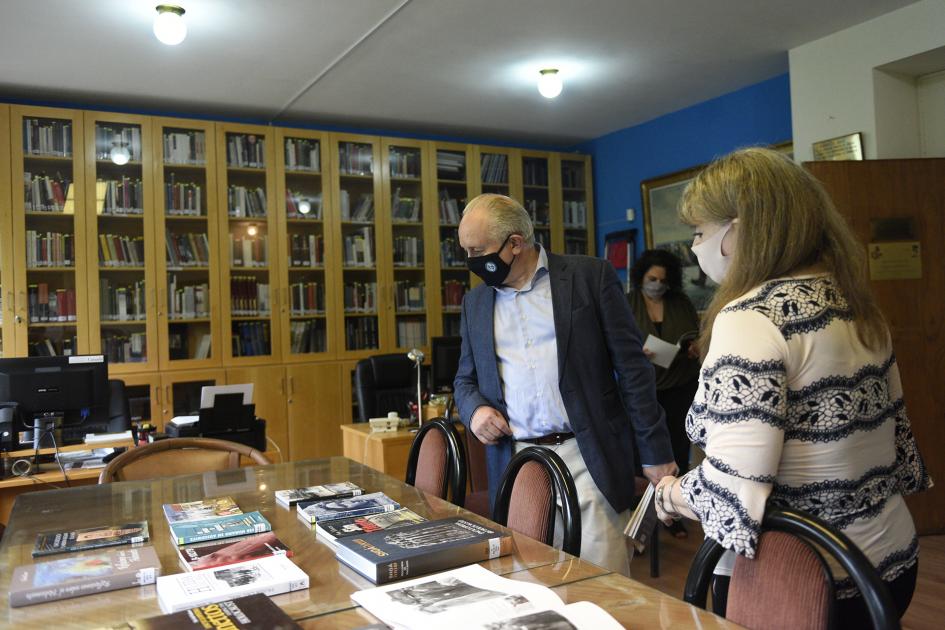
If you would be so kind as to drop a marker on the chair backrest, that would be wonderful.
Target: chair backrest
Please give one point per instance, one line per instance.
(383, 383)
(119, 411)
(533, 482)
(178, 456)
(815, 534)
(436, 463)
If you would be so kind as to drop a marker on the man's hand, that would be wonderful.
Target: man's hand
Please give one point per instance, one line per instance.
(655, 473)
(489, 425)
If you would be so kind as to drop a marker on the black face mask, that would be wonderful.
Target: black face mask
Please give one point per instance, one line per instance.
(490, 267)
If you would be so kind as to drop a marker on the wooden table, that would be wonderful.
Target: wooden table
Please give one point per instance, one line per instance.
(385, 451)
(326, 603)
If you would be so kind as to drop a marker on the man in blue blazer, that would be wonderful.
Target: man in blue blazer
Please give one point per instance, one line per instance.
(551, 355)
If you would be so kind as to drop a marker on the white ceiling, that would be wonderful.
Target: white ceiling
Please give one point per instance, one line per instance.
(455, 67)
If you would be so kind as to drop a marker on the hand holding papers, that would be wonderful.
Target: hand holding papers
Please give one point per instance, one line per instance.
(662, 352)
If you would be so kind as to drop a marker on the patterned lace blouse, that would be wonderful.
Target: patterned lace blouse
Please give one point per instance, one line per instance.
(792, 408)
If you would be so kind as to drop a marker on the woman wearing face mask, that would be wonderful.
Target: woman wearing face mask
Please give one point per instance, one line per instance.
(662, 309)
(800, 400)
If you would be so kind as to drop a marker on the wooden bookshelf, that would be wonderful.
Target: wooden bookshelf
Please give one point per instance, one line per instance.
(8, 315)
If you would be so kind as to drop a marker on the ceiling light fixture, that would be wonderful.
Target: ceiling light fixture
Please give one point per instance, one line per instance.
(549, 82)
(252, 230)
(169, 25)
(120, 153)
(304, 206)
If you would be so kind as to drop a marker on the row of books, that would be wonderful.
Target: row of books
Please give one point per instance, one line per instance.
(355, 159)
(358, 248)
(178, 344)
(49, 249)
(185, 147)
(408, 251)
(307, 298)
(120, 196)
(451, 165)
(360, 297)
(450, 208)
(302, 154)
(293, 208)
(451, 254)
(535, 172)
(539, 211)
(42, 136)
(404, 208)
(118, 250)
(250, 339)
(119, 348)
(409, 295)
(187, 300)
(575, 214)
(183, 199)
(411, 333)
(495, 168)
(245, 150)
(572, 175)
(246, 202)
(307, 336)
(45, 305)
(453, 292)
(108, 137)
(47, 347)
(306, 250)
(249, 251)
(363, 211)
(188, 249)
(361, 333)
(404, 162)
(122, 302)
(249, 297)
(42, 193)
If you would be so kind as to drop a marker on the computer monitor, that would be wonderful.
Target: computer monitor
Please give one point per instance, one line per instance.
(68, 393)
(445, 362)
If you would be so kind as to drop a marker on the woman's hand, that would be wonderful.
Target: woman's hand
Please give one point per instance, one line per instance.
(663, 488)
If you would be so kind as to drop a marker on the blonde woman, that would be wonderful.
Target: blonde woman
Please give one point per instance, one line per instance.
(800, 401)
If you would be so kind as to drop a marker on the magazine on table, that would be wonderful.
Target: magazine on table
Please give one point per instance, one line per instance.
(474, 597)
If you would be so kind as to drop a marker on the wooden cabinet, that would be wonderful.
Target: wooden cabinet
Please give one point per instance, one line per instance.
(573, 204)
(315, 404)
(7, 291)
(144, 398)
(179, 393)
(269, 395)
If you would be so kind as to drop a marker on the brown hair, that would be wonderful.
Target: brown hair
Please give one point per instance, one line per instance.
(786, 224)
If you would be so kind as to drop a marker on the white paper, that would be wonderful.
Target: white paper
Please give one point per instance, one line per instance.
(184, 420)
(92, 438)
(210, 392)
(663, 351)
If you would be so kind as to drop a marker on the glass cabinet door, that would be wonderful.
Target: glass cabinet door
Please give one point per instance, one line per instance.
(536, 197)
(575, 205)
(452, 186)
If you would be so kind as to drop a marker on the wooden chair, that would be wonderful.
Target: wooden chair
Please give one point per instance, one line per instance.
(436, 463)
(178, 456)
(528, 494)
(788, 584)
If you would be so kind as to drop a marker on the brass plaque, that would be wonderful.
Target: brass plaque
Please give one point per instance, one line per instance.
(849, 147)
(895, 261)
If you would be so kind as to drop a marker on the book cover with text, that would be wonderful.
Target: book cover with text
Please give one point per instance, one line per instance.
(48, 543)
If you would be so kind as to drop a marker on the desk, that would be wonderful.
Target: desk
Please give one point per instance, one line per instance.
(385, 451)
(327, 602)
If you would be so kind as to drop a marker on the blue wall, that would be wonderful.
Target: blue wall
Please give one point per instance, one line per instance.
(757, 114)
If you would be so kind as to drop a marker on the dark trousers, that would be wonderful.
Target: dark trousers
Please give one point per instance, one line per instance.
(847, 613)
(676, 401)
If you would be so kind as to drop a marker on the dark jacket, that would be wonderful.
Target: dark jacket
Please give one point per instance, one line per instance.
(605, 380)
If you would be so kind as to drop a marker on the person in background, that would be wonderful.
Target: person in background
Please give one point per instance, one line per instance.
(800, 401)
(662, 309)
(551, 356)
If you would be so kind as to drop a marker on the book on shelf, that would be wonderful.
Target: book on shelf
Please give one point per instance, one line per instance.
(386, 556)
(643, 521)
(340, 490)
(320, 510)
(200, 510)
(253, 612)
(83, 574)
(233, 550)
(61, 541)
(219, 527)
(354, 525)
(203, 347)
(474, 597)
(269, 576)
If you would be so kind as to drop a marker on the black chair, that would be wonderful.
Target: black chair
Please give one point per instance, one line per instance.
(436, 463)
(384, 383)
(815, 534)
(528, 494)
(119, 411)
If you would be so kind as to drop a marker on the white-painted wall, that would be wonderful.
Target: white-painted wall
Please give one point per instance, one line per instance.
(835, 91)
(930, 92)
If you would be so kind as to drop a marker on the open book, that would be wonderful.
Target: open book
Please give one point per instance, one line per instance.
(474, 597)
(643, 520)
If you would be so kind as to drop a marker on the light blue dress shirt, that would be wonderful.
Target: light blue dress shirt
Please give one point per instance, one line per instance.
(527, 355)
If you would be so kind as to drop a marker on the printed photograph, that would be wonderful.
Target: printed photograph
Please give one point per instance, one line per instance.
(545, 620)
(238, 577)
(441, 595)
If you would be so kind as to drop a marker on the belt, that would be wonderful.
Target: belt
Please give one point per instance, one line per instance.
(552, 439)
